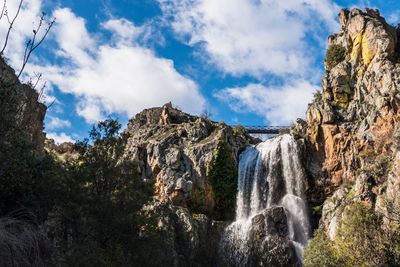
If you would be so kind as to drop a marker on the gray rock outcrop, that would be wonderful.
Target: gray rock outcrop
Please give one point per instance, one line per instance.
(176, 153)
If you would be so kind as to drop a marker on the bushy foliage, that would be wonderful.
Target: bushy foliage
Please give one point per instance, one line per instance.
(28, 179)
(362, 239)
(90, 203)
(317, 96)
(334, 55)
(100, 204)
(222, 176)
(320, 252)
(239, 130)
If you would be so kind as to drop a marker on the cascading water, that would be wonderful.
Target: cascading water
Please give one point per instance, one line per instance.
(270, 175)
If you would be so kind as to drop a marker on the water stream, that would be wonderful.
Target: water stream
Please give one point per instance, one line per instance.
(270, 175)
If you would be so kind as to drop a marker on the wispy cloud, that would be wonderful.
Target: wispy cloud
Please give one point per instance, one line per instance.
(394, 17)
(122, 77)
(119, 76)
(22, 29)
(252, 37)
(54, 123)
(266, 40)
(59, 137)
(280, 105)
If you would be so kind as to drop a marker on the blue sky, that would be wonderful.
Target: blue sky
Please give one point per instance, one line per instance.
(245, 61)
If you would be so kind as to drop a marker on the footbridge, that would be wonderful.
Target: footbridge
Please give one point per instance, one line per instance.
(259, 129)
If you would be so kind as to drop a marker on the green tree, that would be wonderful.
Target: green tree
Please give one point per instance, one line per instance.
(222, 175)
(362, 239)
(334, 55)
(99, 207)
(320, 251)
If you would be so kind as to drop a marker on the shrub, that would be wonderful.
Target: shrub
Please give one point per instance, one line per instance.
(27, 180)
(320, 252)
(222, 176)
(317, 96)
(22, 243)
(362, 239)
(239, 130)
(99, 207)
(334, 55)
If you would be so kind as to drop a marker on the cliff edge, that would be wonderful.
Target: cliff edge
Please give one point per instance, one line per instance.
(353, 125)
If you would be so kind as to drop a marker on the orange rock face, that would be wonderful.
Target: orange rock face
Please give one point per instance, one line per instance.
(353, 129)
(358, 113)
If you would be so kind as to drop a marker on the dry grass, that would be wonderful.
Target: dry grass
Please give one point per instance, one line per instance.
(22, 243)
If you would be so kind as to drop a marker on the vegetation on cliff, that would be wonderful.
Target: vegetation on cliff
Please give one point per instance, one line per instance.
(222, 175)
(363, 238)
(334, 55)
(99, 208)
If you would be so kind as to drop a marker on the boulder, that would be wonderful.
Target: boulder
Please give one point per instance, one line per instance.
(183, 239)
(262, 240)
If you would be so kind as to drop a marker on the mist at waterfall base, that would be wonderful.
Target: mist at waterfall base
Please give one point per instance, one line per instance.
(270, 175)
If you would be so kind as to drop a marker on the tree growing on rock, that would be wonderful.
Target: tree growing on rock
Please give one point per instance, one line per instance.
(222, 176)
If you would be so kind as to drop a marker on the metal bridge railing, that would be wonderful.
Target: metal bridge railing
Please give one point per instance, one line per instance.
(261, 129)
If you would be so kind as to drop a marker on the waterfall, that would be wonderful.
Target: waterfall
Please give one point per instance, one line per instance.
(270, 175)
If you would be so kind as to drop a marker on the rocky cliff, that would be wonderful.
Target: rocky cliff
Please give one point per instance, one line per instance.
(21, 111)
(353, 125)
(192, 163)
(175, 150)
(350, 141)
(350, 145)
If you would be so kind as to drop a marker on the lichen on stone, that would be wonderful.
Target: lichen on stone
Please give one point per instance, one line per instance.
(357, 47)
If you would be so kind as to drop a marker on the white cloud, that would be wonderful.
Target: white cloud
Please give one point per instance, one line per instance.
(253, 37)
(22, 31)
(57, 123)
(123, 77)
(265, 39)
(74, 41)
(22, 28)
(59, 137)
(124, 31)
(280, 105)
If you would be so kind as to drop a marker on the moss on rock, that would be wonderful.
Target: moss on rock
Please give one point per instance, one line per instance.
(342, 100)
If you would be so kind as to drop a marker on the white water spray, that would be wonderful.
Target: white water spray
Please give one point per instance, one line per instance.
(270, 175)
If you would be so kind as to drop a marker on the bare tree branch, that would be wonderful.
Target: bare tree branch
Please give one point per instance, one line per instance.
(34, 81)
(32, 44)
(51, 104)
(3, 9)
(11, 22)
(41, 91)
